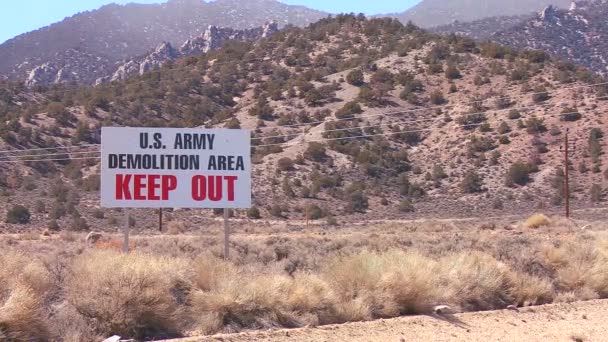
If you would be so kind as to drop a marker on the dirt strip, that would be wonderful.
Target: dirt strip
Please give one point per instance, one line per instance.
(582, 321)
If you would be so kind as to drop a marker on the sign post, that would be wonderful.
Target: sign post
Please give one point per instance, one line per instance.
(175, 168)
(226, 235)
(127, 227)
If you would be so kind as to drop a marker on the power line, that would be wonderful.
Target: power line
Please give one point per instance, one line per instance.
(438, 107)
(404, 122)
(350, 119)
(49, 148)
(46, 155)
(312, 123)
(47, 160)
(306, 141)
(400, 132)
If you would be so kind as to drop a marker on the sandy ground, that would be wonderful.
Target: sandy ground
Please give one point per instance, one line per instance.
(582, 321)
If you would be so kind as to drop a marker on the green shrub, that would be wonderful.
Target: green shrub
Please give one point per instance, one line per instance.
(315, 152)
(285, 164)
(313, 211)
(540, 94)
(254, 213)
(596, 193)
(18, 214)
(535, 125)
(355, 78)
(406, 206)
(437, 97)
(519, 173)
(357, 201)
(452, 72)
(349, 110)
(570, 114)
(472, 183)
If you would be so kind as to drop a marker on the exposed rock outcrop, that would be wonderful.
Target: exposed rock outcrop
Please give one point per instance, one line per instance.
(90, 46)
(213, 38)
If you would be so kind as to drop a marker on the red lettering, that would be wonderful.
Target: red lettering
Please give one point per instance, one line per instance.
(230, 180)
(138, 186)
(152, 186)
(215, 188)
(122, 187)
(199, 188)
(169, 183)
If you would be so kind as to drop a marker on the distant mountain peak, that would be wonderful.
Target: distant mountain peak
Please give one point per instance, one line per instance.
(430, 13)
(107, 37)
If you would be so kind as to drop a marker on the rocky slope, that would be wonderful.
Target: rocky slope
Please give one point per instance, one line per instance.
(483, 29)
(429, 13)
(213, 38)
(351, 117)
(577, 34)
(91, 45)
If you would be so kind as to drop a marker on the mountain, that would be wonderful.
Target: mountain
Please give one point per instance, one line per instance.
(91, 45)
(213, 38)
(483, 29)
(350, 118)
(429, 13)
(578, 34)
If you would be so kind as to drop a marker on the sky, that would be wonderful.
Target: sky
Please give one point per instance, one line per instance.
(21, 16)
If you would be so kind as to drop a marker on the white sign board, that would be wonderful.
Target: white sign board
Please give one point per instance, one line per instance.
(175, 168)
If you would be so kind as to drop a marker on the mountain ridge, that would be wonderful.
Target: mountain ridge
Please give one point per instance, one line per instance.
(429, 13)
(357, 118)
(103, 38)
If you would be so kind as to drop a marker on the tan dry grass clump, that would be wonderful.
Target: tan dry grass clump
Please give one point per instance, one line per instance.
(537, 221)
(176, 227)
(477, 281)
(24, 284)
(580, 267)
(132, 295)
(231, 301)
(371, 285)
(22, 317)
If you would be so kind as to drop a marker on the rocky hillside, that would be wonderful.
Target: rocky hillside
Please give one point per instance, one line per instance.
(352, 118)
(483, 29)
(213, 38)
(578, 34)
(92, 45)
(429, 13)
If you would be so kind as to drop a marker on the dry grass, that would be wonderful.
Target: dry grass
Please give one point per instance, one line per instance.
(129, 295)
(176, 227)
(226, 299)
(24, 284)
(537, 221)
(174, 285)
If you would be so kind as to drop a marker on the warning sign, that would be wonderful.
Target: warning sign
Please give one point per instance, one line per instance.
(175, 168)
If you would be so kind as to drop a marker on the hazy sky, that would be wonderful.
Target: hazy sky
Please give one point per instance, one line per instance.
(20, 16)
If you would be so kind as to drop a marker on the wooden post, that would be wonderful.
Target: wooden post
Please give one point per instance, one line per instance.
(127, 227)
(567, 175)
(226, 235)
(160, 220)
(306, 213)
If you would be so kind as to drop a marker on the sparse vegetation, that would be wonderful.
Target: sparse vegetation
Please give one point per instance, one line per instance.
(150, 294)
(537, 221)
(519, 173)
(18, 214)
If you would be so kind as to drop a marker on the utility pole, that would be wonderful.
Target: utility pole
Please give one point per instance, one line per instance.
(567, 174)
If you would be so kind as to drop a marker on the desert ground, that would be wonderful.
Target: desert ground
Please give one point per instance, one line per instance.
(359, 282)
(574, 322)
